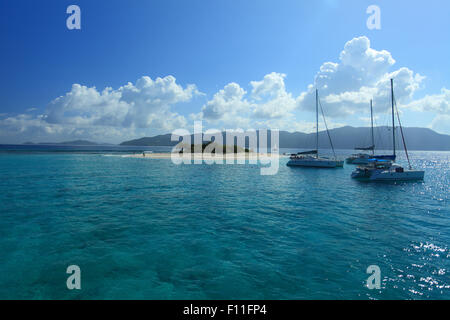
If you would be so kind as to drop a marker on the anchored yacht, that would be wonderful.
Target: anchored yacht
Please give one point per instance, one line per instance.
(363, 158)
(311, 158)
(386, 170)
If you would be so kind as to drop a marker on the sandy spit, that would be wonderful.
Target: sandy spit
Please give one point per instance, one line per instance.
(200, 156)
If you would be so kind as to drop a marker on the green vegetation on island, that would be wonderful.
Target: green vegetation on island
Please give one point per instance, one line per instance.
(343, 138)
(212, 148)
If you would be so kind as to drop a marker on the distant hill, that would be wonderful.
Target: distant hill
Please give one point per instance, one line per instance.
(343, 138)
(68, 143)
(350, 137)
(161, 140)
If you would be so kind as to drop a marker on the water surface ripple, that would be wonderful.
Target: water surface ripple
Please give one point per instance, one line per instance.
(148, 229)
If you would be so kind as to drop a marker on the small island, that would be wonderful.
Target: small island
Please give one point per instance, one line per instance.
(225, 148)
(193, 151)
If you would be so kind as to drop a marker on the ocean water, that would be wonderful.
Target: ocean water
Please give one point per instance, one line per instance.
(149, 229)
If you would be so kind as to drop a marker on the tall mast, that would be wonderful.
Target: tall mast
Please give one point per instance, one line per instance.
(371, 121)
(393, 119)
(317, 122)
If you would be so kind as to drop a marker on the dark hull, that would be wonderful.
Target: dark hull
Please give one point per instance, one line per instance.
(385, 157)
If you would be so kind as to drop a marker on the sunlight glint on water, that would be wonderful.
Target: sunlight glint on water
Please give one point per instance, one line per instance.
(141, 228)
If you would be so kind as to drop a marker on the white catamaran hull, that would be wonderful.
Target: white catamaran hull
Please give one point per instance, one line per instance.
(315, 163)
(388, 175)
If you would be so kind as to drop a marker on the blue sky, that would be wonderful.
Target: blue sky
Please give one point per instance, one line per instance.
(212, 44)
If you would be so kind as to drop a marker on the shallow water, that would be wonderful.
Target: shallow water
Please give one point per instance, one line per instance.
(141, 228)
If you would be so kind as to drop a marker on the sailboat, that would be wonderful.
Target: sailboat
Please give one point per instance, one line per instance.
(363, 158)
(311, 158)
(386, 170)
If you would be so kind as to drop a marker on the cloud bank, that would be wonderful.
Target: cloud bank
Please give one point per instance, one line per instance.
(109, 115)
(146, 107)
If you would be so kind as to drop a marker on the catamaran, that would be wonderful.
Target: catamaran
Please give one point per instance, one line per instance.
(311, 158)
(386, 170)
(363, 158)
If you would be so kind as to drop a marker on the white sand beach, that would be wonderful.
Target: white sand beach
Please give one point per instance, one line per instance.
(209, 157)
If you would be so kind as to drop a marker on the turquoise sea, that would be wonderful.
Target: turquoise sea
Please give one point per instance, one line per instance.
(150, 229)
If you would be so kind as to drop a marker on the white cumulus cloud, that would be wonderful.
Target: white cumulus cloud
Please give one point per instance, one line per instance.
(346, 86)
(362, 74)
(439, 103)
(84, 112)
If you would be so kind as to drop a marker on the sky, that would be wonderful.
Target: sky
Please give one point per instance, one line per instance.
(141, 68)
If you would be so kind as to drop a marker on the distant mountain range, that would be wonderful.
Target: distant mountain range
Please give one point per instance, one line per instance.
(68, 143)
(343, 138)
